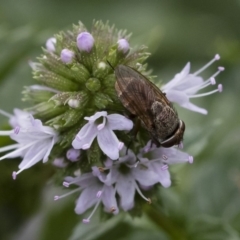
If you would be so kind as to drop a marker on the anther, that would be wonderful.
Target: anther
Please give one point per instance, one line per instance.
(14, 175)
(220, 87)
(66, 184)
(112, 209)
(190, 159)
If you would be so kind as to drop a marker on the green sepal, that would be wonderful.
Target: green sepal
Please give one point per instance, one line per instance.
(101, 100)
(36, 96)
(94, 154)
(46, 110)
(64, 97)
(93, 84)
(81, 72)
(55, 81)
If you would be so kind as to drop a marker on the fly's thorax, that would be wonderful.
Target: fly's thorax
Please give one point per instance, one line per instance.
(165, 120)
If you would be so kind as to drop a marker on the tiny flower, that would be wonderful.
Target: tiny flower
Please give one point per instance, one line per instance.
(34, 141)
(67, 56)
(93, 192)
(50, 44)
(127, 174)
(185, 85)
(59, 162)
(85, 41)
(73, 154)
(106, 138)
(158, 159)
(123, 45)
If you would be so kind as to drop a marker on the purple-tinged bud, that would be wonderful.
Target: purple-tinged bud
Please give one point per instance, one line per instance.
(67, 56)
(123, 45)
(73, 154)
(85, 41)
(50, 44)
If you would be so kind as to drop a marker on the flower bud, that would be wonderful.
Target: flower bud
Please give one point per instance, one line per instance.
(50, 44)
(67, 56)
(123, 45)
(85, 42)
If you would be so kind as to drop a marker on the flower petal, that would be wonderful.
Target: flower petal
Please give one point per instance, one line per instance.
(108, 142)
(109, 199)
(144, 175)
(126, 189)
(85, 136)
(119, 122)
(87, 198)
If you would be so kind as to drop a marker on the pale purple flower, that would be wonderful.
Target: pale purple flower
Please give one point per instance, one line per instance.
(123, 45)
(128, 175)
(50, 44)
(67, 56)
(73, 154)
(185, 85)
(34, 141)
(59, 162)
(158, 159)
(93, 192)
(107, 140)
(85, 41)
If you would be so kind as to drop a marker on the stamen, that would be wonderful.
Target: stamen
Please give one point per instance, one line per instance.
(66, 184)
(102, 125)
(120, 145)
(112, 209)
(6, 114)
(141, 194)
(212, 80)
(67, 194)
(190, 159)
(216, 58)
(6, 133)
(219, 89)
(221, 69)
(93, 211)
(14, 175)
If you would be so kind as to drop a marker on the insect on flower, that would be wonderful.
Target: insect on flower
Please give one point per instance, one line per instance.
(147, 102)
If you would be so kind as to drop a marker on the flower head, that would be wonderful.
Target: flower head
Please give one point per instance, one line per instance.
(93, 192)
(85, 41)
(106, 138)
(123, 45)
(158, 159)
(185, 85)
(67, 56)
(34, 141)
(50, 44)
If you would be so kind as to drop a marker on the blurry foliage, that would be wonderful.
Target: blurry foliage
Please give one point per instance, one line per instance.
(205, 202)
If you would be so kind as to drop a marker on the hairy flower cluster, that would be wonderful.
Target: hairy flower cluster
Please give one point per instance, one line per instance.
(77, 112)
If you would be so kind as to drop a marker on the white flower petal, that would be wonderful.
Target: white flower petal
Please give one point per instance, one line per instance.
(144, 176)
(85, 136)
(87, 199)
(108, 142)
(119, 122)
(109, 199)
(126, 189)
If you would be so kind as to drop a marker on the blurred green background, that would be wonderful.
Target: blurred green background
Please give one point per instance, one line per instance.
(205, 202)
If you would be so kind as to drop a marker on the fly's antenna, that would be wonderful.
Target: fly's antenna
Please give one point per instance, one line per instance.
(110, 65)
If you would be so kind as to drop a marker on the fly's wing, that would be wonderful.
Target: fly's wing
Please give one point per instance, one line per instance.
(137, 93)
